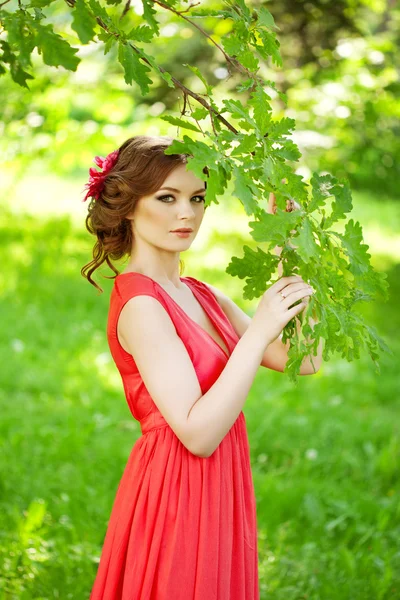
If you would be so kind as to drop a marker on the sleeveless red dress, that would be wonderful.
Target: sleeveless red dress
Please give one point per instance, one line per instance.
(182, 527)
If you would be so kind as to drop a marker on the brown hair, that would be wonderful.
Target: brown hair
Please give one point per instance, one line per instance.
(140, 170)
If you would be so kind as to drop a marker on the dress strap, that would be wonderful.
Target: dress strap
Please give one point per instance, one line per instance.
(206, 292)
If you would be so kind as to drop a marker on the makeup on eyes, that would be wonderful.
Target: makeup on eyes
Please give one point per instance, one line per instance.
(202, 198)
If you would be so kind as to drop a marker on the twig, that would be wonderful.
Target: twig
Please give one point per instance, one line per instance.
(228, 58)
(177, 83)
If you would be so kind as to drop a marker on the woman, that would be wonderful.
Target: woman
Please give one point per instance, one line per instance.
(183, 523)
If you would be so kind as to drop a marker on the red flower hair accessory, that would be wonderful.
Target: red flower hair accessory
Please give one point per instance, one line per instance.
(96, 178)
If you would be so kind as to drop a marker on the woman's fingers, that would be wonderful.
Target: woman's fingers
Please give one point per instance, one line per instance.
(290, 204)
(271, 203)
(285, 281)
(299, 295)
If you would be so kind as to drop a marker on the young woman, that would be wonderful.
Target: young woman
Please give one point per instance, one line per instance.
(183, 523)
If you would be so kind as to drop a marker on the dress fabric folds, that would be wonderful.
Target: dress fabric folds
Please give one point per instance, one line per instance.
(182, 527)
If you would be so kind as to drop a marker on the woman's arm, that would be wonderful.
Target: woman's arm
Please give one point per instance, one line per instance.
(276, 354)
(199, 420)
(292, 205)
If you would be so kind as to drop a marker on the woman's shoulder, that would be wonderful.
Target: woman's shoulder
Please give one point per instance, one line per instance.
(131, 284)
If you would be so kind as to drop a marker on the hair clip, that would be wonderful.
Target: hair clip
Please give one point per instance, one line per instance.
(96, 178)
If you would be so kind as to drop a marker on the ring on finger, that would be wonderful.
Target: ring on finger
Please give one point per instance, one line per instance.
(283, 295)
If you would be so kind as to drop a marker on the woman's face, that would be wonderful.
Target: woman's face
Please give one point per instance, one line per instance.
(157, 215)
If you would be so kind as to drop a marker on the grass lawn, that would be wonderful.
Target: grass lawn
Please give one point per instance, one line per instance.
(325, 454)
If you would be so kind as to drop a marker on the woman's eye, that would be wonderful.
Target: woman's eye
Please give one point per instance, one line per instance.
(202, 198)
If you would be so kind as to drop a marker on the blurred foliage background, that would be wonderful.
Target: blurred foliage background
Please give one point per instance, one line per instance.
(341, 74)
(325, 455)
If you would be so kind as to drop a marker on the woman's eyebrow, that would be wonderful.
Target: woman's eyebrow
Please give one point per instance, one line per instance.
(175, 190)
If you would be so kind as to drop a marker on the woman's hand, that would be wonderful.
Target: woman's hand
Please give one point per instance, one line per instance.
(275, 308)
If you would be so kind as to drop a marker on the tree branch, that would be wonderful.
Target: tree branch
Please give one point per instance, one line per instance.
(228, 58)
(177, 83)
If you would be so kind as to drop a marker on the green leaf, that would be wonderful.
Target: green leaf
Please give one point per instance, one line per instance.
(148, 15)
(248, 60)
(100, 11)
(265, 19)
(270, 47)
(281, 128)
(55, 50)
(40, 3)
(208, 12)
(216, 182)
(200, 113)
(134, 70)
(109, 40)
(305, 243)
(238, 111)
(374, 284)
(244, 10)
(375, 339)
(295, 188)
(245, 85)
(289, 151)
(262, 109)
(247, 143)
(274, 228)
(21, 43)
(321, 190)
(244, 190)
(83, 22)
(295, 359)
(180, 122)
(232, 44)
(19, 75)
(257, 267)
(143, 33)
(341, 205)
(354, 248)
(7, 55)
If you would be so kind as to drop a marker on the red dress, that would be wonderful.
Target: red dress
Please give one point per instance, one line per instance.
(182, 527)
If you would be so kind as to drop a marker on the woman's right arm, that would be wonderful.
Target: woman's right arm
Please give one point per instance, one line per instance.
(201, 421)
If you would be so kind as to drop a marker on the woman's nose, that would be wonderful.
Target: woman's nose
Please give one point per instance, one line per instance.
(186, 211)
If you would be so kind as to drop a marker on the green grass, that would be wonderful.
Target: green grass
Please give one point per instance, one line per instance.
(325, 454)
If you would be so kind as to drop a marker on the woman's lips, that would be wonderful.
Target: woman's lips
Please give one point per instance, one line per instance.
(182, 233)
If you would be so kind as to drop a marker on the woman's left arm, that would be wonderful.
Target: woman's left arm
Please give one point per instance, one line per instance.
(276, 354)
(317, 358)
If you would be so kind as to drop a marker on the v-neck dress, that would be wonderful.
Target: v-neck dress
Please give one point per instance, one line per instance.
(182, 527)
